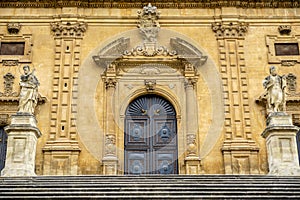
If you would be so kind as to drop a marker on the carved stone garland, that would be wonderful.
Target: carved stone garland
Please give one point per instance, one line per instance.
(62, 150)
(239, 150)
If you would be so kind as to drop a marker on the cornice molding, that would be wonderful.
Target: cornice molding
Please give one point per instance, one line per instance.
(161, 5)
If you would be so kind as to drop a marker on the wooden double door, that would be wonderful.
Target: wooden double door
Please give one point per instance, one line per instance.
(150, 137)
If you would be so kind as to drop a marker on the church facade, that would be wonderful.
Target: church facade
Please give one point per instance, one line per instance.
(174, 87)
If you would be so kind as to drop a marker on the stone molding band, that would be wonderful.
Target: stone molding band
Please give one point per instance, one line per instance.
(167, 4)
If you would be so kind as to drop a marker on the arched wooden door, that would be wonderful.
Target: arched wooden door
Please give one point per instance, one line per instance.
(150, 137)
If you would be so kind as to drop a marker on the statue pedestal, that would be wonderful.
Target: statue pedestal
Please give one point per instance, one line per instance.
(281, 144)
(21, 145)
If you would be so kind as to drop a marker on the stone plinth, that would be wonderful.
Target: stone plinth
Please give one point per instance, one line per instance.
(192, 165)
(281, 145)
(21, 145)
(110, 165)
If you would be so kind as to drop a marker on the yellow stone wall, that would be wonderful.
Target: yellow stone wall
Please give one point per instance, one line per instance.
(104, 24)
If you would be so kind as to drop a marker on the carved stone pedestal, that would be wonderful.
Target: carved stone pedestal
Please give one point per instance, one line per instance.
(282, 150)
(192, 165)
(110, 165)
(21, 145)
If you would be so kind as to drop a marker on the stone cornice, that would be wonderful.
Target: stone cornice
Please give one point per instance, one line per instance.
(138, 4)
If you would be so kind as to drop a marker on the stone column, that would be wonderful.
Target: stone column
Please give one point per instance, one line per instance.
(110, 161)
(61, 152)
(192, 161)
(281, 144)
(240, 151)
(21, 145)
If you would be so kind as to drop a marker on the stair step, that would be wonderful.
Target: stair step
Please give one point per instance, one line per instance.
(154, 187)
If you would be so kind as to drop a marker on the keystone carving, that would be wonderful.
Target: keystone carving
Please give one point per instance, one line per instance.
(150, 85)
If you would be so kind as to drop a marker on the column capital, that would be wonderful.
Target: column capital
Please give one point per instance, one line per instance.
(68, 29)
(190, 82)
(110, 83)
(230, 29)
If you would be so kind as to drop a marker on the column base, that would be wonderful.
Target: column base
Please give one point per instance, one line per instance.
(110, 165)
(192, 165)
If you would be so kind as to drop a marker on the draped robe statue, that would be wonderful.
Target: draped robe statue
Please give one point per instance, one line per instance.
(275, 85)
(29, 91)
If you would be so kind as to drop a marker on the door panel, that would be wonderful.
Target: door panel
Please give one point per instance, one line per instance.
(165, 132)
(137, 133)
(150, 137)
(136, 162)
(3, 147)
(164, 162)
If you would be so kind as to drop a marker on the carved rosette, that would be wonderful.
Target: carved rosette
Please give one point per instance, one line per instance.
(68, 29)
(230, 30)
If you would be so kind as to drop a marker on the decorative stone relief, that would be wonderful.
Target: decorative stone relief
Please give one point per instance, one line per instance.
(230, 29)
(13, 28)
(69, 29)
(291, 83)
(192, 147)
(8, 85)
(110, 142)
(149, 28)
(10, 63)
(110, 83)
(148, 24)
(284, 29)
(150, 85)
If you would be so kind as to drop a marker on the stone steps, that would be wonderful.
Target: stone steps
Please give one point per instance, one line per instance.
(153, 187)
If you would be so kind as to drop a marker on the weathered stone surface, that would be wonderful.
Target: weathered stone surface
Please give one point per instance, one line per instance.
(21, 146)
(282, 150)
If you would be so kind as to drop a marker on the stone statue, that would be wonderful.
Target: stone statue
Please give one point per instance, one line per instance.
(275, 85)
(29, 91)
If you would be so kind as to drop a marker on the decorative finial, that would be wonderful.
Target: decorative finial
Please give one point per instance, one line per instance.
(148, 24)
